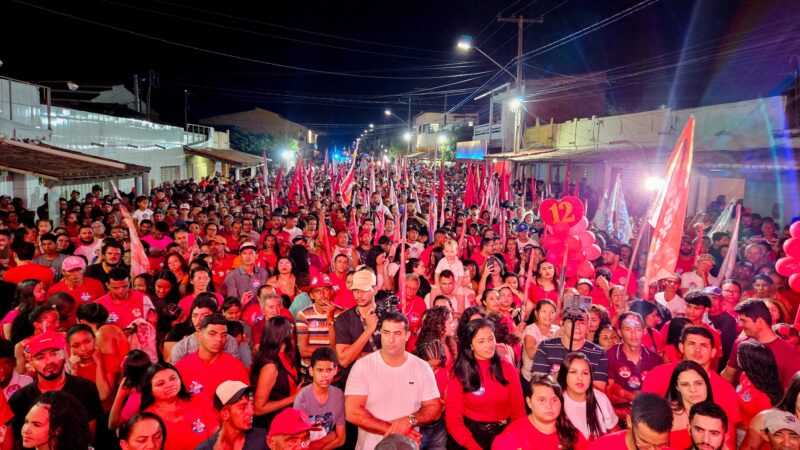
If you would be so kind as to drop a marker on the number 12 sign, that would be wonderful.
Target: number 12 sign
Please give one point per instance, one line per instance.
(568, 211)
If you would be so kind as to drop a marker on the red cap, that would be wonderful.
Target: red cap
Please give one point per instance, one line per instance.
(320, 281)
(363, 232)
(290, 421)
(48, 339)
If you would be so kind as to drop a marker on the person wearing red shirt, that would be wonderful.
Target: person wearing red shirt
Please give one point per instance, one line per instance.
(204, 370)
(756, 321)
(25, 269)
(545, 427)
(479, 408)
(413, 307)
(87, 362)
(81, 288)
(648, 426)
(221, 263)
(696, 344)
(125, 305)
(697, 304)
(619, 273)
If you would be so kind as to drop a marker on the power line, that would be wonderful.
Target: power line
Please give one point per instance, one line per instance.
(238, 57)
(300, 30)
(267, 35)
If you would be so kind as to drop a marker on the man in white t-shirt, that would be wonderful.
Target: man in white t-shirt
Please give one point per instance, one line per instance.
(669, 297)
(391, 391)
(701, 277)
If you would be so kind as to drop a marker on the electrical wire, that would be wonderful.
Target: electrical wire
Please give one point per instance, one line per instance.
(267, 35)
(238, 57)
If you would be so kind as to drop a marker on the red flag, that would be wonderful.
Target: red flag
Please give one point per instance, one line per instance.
(669, 210)
(326, 242)
(279, 179)
(379, 226)
(401, 282)
(352, 227)
(346, 188)
(440, 194)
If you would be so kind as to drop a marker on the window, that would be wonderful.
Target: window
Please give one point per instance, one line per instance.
(169, 173)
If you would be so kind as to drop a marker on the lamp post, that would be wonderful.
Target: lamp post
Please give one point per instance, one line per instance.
(408, 134)
(465, 44)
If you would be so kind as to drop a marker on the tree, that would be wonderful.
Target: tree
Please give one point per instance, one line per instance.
(255, 143)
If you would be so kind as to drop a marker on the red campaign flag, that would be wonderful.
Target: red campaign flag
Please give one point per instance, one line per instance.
(440, 195)
(346, 188)
(352, 227)
(372, 187)
(325, 236)
(669, 210)
(397, 224)
(381, 223)
(293, 185)
(401, 282)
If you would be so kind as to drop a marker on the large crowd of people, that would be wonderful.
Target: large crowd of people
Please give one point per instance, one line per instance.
(225, 315)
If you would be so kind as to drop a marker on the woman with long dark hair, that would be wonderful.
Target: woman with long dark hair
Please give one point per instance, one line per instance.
(688, 386)
(275, 372)
(544, 326)
(588, 409)
(378, 260)
(285, 278)
(672, 353)
(544, 282)
(67, 425)
(302, 264)
(547, 426)
(28, 294)
(176, 264)
(129, 394)
(189, 420)
(753, 438)
(417, 267)
(270, 253)
(200, 280)
(757, 389)
(484, 393)
(164, 289)
(437, 324)
(649, 312)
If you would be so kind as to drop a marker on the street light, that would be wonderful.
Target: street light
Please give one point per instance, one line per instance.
(515, 103)
(388, 112)
(442, 139)
(372, 125)
(407, 136)
(465, 44)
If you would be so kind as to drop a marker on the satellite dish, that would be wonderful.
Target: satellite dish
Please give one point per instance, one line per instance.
(72, 86)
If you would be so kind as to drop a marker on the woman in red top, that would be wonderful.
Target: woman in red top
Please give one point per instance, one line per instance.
(688, 386)
(672, 353)
(484, 393)
(757, 389)
(189, 419)
(270, 253)
(547, 426)
(544, 284)
(179, 267)
(438, 324)
(511, 254)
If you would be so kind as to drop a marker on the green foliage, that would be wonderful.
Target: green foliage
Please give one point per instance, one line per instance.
(254, 143)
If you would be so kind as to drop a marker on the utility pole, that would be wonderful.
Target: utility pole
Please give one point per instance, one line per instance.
(186, 107)
(521, 21)
(136, 93)
(149, 91)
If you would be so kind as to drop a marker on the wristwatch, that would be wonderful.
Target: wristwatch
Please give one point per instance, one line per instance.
(412, 419)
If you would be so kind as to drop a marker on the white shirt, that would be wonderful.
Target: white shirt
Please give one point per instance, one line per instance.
(142, 215)
(456, 267)
(414, 250)
(533, 331)
(691, 280)
(91, 252)
(677, 306)
(576, 413)
(391, 392)
(16, 383)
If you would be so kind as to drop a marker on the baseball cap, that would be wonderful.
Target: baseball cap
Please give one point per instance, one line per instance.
(159, 211)
(522, 228)
(48, 339)
(320, 281)
(246, 245)
(584, 281)
(712, 290)
(705, 257)
(290, 421)
(229, 392)
(614, 249)
(172, 206)
(73, 262)
(364, 280)
(218, 239)
(776, 420)
(185, 206)
(363, 232)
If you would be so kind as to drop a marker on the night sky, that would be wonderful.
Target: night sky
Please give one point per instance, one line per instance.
(677, 53)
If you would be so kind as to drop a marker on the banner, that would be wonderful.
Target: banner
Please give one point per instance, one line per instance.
(139, 262)
(729, 263)
(669, 210)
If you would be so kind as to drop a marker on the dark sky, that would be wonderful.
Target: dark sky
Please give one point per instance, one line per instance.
(670, 52)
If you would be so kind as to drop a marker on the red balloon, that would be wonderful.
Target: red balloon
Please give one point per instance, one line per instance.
(794, 230)
(569, 210)
(587, 238)
(593, 252)
(792, 247)
(794, 282)
(561, 229)
(553, 242)
(788, 266)
(573, 243)
(555, 258)
(580, 226)
(572, 270)
(585, 269)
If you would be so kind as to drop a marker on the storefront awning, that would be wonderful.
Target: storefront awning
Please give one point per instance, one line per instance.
(235, 158)
(57, 164)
